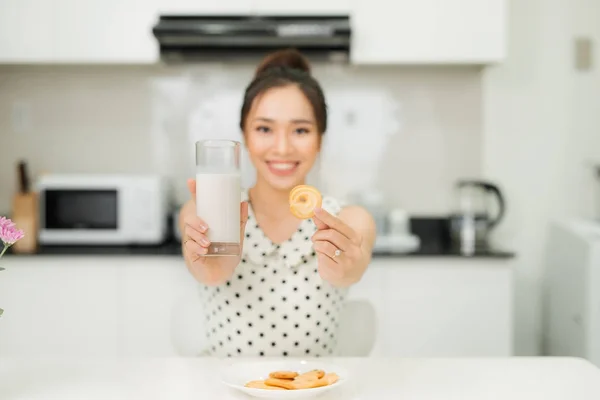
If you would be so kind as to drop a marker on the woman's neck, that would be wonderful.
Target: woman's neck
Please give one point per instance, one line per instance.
(269, 201)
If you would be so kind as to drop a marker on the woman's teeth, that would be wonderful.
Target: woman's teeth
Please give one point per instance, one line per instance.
(282, 166)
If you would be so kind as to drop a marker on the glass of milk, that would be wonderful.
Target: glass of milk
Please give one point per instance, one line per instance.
(218, 194)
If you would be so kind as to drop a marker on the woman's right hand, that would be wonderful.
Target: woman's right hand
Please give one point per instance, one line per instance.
(208, 270)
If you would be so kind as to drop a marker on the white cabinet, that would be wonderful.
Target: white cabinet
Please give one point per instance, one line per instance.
(306, 7)
(428, 31)
(58, 306)
(112, 31)
(109, 31)
(571, 295)
(191, 7)
(97, 306)
(149, 306)
(71, 31)
(160, 312)
(26, 31)
(443, 307)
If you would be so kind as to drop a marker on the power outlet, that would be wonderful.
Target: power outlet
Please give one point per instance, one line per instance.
(21, 117)
(584, 55)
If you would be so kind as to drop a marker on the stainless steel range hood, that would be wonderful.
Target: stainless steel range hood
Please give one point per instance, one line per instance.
(219, 38)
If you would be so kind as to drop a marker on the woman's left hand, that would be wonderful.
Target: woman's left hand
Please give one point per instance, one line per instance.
(340, 255)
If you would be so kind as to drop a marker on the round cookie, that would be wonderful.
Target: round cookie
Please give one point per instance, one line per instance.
(303, 200)
(283, 374)
(261, 385)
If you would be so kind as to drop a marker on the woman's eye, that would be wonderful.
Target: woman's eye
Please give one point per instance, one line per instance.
(302, 131)
(263, 129)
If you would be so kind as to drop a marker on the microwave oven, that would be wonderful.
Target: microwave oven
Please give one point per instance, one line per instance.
(102, 209)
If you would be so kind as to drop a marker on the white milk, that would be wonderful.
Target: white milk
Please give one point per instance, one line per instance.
(218, 197)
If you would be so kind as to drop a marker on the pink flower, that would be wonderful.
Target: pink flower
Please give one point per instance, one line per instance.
(6, 222)
(9, 233)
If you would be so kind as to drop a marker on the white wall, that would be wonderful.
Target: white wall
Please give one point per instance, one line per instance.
(585, 116)
(408, 131)
(541, 122)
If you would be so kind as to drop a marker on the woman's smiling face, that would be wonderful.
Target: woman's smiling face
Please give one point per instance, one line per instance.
(282, 136)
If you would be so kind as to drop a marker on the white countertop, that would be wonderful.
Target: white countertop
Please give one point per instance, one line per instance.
(371, 378)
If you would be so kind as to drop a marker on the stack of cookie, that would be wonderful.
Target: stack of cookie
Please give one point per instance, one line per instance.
(290, 380)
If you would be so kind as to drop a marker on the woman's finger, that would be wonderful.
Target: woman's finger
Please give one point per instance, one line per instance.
(328, 268)
(193, 247)
(336, 223)
(319, 224)
(243, 213)
(243, 219)
(192, 234)
(327, 249)
(191, 184)
(196, 223)
(334, 237)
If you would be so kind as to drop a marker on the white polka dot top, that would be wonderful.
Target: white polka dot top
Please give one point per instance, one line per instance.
(275, 304)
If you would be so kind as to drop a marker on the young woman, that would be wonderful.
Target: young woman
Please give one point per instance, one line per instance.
(284, 294)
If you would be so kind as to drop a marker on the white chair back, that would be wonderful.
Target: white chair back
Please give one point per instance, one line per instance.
(358, 329)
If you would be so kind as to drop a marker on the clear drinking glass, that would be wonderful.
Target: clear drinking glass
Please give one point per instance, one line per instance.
(218, 194)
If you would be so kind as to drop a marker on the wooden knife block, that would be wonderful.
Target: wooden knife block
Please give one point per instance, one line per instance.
(25, 216)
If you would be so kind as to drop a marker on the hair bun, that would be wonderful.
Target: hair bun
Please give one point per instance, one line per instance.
(288, 58)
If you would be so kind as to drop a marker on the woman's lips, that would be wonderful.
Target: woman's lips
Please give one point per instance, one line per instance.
(283, 168)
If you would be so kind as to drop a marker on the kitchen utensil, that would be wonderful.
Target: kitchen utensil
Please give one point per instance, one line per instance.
(238, 373)
(23, 178)
(474, 219)
(218, 194)
(25, 212)
(24, 215)
(398, 222)
(397, 237)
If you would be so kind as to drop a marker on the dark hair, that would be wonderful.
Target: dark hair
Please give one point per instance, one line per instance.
(282, 68)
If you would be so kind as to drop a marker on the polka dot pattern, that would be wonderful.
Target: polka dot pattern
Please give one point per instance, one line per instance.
(275, 304)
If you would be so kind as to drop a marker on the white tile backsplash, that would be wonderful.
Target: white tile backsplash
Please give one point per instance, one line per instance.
(409, 132)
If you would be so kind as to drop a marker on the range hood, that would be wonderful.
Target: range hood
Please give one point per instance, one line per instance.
(218, 38)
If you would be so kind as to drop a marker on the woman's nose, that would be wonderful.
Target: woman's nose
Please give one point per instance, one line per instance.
(283, 144)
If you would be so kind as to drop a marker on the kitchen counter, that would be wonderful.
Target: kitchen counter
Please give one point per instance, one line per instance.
(433, 233)
(368, 378)
(174, 249)
(495, 254)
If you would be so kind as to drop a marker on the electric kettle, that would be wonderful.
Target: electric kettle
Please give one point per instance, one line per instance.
(480, 207)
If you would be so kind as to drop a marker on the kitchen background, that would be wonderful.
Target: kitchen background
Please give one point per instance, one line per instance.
(529, 121)
(417, 127)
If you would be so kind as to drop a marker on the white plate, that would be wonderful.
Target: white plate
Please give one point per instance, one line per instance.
(238, 373)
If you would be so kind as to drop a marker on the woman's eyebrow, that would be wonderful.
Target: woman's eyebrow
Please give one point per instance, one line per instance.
(295, 120)
(263, 119)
